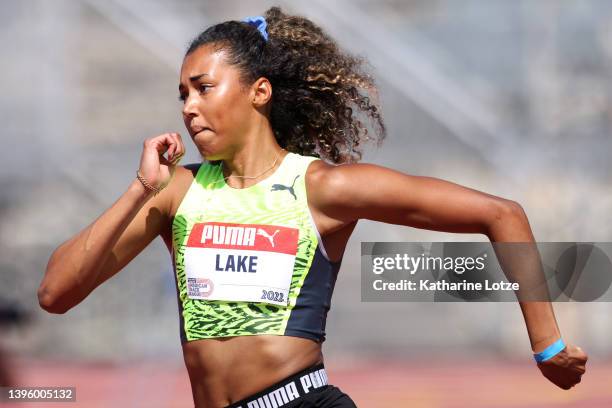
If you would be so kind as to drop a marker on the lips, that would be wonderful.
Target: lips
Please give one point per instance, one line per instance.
(197, 129)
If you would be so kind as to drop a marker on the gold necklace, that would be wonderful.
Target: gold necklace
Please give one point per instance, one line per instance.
(251, 177)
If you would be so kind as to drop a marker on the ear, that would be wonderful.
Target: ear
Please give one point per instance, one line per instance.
(261, 92)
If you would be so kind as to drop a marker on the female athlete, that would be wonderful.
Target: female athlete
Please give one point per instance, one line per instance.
(257, 231)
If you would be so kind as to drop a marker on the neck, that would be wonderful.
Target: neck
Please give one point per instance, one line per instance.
(254, 160)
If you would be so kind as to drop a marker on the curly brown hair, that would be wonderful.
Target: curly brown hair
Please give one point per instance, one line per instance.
(319, 91)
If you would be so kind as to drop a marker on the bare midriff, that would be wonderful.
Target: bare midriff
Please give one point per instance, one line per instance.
(228, 369)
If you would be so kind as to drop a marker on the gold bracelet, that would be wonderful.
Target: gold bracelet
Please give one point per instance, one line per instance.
(146, 184)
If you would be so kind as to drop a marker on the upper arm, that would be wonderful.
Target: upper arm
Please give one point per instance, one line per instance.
(363, 191)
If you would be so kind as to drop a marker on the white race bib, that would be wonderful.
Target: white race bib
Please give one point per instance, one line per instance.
(240, 262)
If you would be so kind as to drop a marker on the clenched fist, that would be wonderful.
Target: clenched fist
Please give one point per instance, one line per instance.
(566, 368)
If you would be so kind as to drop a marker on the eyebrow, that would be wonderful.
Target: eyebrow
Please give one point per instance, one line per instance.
(194, 78)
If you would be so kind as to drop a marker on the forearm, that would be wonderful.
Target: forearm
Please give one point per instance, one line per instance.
(74, 267)
(512, 225)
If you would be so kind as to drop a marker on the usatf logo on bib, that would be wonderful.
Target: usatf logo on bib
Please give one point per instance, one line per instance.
(243, 262)
(199, 287)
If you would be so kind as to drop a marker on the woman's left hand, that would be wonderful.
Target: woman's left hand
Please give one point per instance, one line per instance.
(566, 368)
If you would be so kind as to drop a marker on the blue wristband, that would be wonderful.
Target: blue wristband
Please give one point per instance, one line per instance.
(550, 351)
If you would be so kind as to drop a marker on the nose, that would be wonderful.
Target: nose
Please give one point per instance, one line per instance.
(189, 107)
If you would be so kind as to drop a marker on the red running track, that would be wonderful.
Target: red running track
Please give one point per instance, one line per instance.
(371, 383)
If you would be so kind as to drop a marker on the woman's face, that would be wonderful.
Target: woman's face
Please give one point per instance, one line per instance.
(217, 109)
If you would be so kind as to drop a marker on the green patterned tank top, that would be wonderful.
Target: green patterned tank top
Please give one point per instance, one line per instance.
(250, 261)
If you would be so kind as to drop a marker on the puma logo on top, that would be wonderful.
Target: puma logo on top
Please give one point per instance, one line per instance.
(280, 187)
(264, 234)
(252, 237)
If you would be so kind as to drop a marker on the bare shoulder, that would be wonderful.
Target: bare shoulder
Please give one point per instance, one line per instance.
(337, 175)
(329, 183)
(174, 193)
(183, 177)
(329, 188)
(319, 178)
(178, 187)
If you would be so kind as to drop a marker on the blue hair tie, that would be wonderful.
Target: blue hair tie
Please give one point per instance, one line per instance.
(258, 22)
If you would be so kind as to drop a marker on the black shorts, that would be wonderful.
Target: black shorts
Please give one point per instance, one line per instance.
(306, 389)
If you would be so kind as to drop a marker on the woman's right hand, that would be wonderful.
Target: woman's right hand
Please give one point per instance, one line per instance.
(154, 166)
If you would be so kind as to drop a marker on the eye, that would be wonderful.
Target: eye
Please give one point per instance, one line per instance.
(201, 89)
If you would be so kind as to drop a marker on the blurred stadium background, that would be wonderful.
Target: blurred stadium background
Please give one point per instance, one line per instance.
(511, 97)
